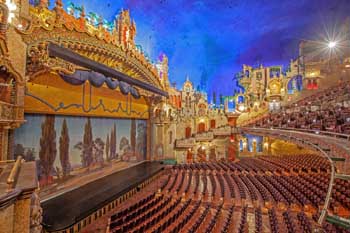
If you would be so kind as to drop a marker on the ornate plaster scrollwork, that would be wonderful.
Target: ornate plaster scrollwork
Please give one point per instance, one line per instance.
(4, 14)
(36, 213)
(96, 43)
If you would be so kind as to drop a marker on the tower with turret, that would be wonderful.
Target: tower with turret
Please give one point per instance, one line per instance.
(126, 29)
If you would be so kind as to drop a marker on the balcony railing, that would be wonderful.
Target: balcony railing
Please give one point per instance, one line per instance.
(207, 136)
(185, 143)
(318, 132)
(224, 131)
(10, 113)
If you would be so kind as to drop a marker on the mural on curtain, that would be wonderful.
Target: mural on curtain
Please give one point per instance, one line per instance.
(67, 147)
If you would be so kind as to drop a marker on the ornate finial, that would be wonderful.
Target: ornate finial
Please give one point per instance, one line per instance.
(58, 4)
(58, 8)
(100, 21)
(82, 13)
(44, 3)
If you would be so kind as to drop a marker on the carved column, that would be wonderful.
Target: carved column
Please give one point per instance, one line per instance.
(254, 145)
(3, 143)
(232, 143)
(22, 215)
(245, 144)
(10, 144)
(35, 214)
(149, 138)
(152, 101)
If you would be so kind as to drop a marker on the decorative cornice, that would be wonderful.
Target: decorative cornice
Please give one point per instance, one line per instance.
(96, 43)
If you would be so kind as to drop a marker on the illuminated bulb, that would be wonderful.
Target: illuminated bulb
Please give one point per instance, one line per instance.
(12, 7)
(332, 44)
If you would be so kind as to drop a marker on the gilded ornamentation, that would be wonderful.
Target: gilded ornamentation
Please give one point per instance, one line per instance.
(115, 48)
(36, 213)
(4, 14)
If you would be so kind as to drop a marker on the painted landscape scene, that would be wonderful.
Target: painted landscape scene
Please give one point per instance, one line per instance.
(72, 150)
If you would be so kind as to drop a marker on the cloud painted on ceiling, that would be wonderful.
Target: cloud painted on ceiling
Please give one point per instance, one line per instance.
(210, 40)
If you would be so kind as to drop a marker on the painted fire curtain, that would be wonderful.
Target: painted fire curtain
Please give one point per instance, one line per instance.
(69, 146)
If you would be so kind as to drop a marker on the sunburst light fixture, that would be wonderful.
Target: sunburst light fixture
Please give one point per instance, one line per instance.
(332, 44)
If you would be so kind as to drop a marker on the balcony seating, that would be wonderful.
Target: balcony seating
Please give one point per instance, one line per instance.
(323, 111)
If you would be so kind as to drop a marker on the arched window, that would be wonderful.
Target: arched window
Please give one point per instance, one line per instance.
(212, 124)
(188, 132)
(201, 128)
(157, 113)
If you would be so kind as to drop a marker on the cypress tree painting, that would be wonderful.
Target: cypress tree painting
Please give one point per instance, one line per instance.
(107, 148)
(87, 145)
(68, 148)
(141, 141)
(64, 149)
(113, 143)
(99, 147)
(133, 136)
(48, 149)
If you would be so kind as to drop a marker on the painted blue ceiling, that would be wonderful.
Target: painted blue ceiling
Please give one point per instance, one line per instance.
(213, 38)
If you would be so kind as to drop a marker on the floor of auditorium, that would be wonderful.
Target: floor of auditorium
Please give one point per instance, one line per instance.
(215, 200)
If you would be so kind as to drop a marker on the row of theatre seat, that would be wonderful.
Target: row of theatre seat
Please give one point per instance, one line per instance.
(202, 197)
(327, 110)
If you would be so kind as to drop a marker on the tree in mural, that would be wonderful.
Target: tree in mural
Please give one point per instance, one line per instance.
(29, 155)
(140, 141)
(113, 143)
(133, 136)
(64, 150)
(48, 151)
(107, 148)
(79, 146)
(99, 147)
(87, 145)
(18, 150)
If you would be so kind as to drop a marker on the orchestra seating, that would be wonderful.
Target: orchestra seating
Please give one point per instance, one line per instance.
(328, 110)
(263, 194)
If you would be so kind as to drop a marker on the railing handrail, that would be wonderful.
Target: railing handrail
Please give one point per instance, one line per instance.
(12, 179)
(7, 161)
(11, 105)
(313, 131)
